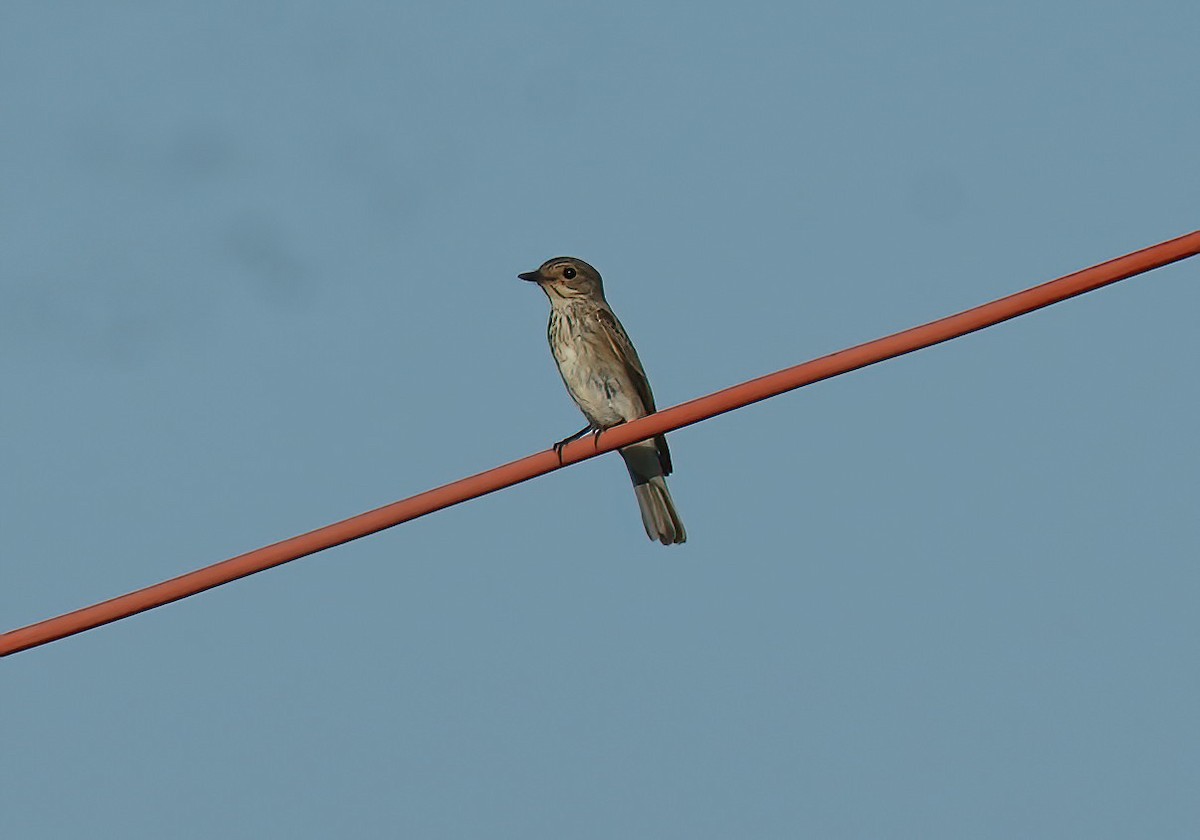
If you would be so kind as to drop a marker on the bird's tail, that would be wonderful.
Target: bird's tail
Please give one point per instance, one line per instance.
(658, 512)
(654, 499)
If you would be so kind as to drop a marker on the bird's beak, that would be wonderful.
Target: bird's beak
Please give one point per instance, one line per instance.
(531, 276)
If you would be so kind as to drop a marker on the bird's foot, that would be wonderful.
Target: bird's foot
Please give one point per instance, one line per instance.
(558, 447)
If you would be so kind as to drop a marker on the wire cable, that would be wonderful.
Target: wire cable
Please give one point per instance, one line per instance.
(668, 420)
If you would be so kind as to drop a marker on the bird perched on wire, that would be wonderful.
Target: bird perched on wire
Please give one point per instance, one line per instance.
(605, 378)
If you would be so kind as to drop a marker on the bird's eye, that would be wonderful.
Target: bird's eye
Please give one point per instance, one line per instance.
(569, 273)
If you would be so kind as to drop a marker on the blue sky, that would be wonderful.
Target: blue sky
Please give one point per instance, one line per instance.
(258, 274)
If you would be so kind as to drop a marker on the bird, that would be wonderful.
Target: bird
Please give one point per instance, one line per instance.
(605, 378)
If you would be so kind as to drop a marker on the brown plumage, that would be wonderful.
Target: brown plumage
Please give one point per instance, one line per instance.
(605, 378)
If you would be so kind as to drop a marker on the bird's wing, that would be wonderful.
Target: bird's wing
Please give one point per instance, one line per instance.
(622, 347)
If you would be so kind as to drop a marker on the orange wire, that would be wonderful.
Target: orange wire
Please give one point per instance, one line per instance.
(543, 462)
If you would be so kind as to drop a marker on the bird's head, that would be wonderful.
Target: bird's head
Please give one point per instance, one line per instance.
(566, 277)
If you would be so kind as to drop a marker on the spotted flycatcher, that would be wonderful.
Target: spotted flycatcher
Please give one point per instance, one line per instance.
(604, 376)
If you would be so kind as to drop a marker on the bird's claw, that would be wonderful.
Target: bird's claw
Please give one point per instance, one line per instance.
(558, 447)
